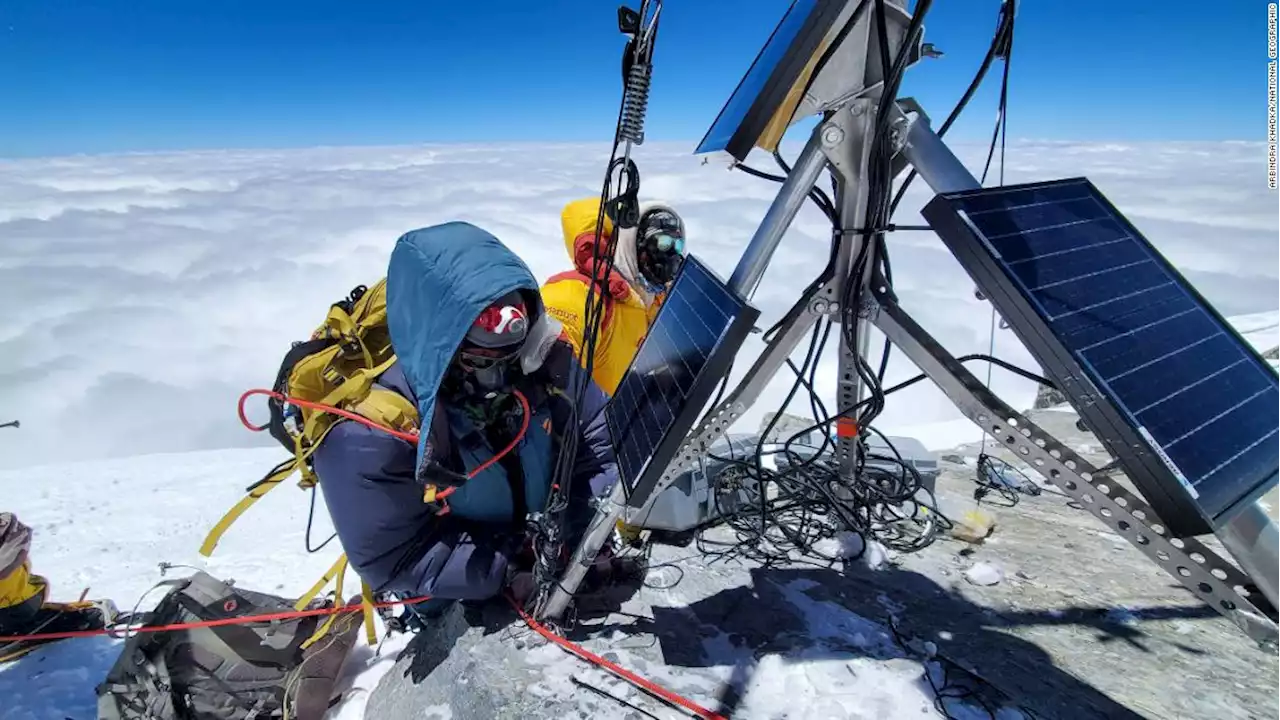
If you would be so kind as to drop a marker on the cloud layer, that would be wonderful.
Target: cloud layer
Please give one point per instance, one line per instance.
(143, 293)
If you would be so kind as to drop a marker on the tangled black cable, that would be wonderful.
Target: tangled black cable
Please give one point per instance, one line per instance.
(1006, 481)
(804, 499)
(813, 499)
(957, 684)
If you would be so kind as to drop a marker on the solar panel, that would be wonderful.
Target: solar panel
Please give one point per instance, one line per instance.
(771, 75)
(690, 345)
(1187, 406)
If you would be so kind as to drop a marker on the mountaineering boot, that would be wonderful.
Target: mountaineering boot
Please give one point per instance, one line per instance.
(48, 618)
(611, 569)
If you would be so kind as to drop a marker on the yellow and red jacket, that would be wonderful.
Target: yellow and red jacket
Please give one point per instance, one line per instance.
(626, 316)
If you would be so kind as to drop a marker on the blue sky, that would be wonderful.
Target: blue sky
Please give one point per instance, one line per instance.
(86, 76)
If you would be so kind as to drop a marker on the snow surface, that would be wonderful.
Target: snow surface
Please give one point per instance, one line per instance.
(108, 525)
(155, 288)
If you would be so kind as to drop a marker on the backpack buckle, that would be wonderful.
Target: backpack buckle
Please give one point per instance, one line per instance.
(332, 376)
(434, 499)
(435, 476)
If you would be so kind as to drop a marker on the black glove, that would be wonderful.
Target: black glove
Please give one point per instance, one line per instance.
(433, 473)
(520, 584)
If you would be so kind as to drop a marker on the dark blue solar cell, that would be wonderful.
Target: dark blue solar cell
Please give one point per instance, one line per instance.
(1211, 399)
(700, 324)
(1222, 435)
(1072, 264)
(1164, 381)
(1085, 285)
(1080, 239)
(1037, 217)
(1018, 197)
(1084, 330)
(1129, 354)
(1121, 287)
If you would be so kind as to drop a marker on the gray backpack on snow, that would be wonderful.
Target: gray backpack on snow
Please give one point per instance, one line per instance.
(255, 671)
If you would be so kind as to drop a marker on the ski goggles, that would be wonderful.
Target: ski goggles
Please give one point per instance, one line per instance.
(478, 358)
(666, 242)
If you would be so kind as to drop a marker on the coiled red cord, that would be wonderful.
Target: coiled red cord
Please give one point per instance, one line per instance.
(409, 437)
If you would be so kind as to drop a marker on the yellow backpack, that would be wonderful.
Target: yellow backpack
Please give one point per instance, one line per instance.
(334, 370)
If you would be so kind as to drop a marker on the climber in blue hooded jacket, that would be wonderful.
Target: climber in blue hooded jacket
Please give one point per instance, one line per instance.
(473, 345)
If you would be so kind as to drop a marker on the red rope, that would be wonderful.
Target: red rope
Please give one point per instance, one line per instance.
(537, 627)
(625, 674)
(406, 436)
(242, 620)
(570, 646)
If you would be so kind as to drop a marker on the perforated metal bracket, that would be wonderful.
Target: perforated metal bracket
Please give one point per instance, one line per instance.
(1198, 568)
(847, 144)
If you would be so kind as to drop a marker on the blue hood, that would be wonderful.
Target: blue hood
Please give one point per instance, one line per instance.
(438, 281)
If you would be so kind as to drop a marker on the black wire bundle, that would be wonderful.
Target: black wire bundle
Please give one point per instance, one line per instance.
(956, 683)
(811, 501)
(805, 499)
(1001, 46)
(1006, 481)
(621, 203)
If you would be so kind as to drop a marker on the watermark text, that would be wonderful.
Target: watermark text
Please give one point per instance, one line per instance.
(1272, 11)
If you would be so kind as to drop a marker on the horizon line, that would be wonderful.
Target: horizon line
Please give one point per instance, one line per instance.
(692, 144)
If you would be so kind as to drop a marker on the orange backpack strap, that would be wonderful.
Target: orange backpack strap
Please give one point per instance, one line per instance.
(585, 279)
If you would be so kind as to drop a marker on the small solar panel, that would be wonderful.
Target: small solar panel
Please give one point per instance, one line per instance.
(690, 345)
(1188, 407)
(766, 84)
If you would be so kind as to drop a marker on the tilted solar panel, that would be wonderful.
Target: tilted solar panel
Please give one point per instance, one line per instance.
(766, 84)
(1185, 404)
(694, 337)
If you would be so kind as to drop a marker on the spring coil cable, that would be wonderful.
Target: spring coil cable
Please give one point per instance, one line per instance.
(635, 102)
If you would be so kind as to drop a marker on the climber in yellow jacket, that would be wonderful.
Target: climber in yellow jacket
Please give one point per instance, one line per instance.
(645, 262)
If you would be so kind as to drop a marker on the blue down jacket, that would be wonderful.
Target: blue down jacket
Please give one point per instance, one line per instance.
(438, 281)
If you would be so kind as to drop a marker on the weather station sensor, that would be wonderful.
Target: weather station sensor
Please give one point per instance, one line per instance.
(1186, 407)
